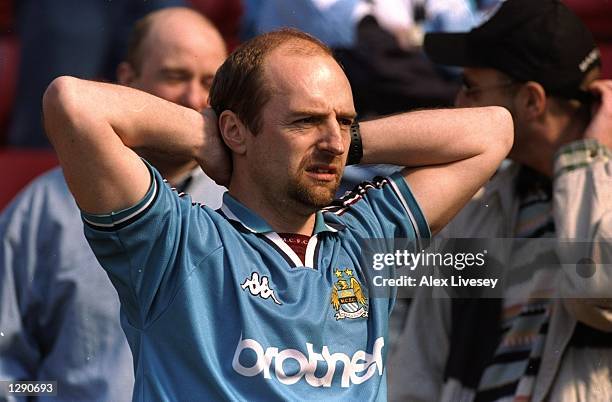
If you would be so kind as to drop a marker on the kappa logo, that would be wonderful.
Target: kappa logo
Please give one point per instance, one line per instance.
(347, 296)
(259, 287)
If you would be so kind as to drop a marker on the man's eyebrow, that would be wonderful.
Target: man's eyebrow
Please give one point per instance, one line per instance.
(174, 70)
(349, 115)
(320, 113)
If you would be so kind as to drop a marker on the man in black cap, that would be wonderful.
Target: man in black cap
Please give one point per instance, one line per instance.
(550, 337)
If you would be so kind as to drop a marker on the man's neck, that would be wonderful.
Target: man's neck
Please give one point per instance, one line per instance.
(541, 163)
(540, 148)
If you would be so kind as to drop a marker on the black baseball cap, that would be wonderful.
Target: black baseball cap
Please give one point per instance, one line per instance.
(529, 40)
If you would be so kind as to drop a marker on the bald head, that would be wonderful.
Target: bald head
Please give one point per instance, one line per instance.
(241, 85)
(168, 25)
(174, 54)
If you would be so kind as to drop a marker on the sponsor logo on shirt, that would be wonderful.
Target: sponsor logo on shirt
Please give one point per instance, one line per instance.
(291, 365)
(347, 296)
(259, 287)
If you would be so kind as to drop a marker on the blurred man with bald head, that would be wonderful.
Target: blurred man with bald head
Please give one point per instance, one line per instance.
(174, 54)
(60, 315)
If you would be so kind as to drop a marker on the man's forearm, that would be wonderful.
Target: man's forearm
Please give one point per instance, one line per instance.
(433, 137)
(139, 119)
(449, 154)
(92, 127)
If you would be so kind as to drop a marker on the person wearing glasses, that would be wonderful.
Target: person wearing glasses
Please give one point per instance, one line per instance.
(550, 335)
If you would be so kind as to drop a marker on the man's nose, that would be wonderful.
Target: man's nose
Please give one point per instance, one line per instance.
(333, 139)
(195, 96)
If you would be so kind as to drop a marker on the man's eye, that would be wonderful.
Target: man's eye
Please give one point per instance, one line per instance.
(307, 120)
(465, 82)
(175, 77)
(345, 122)
(207, 82)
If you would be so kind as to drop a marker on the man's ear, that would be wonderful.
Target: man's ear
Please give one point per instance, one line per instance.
(531, 101)
(233, 132)
(125, 74)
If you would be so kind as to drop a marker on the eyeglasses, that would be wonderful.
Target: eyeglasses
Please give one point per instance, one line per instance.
(472, 90)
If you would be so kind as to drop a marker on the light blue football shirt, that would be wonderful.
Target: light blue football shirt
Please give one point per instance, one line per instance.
(216, 306)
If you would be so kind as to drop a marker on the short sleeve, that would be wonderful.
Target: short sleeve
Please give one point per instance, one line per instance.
(383, 208)
(149, 249)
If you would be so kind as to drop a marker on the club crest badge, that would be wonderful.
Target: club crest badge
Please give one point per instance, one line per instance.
(347, 296)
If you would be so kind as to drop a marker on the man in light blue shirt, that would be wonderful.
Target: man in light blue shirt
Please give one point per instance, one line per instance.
(266, 298)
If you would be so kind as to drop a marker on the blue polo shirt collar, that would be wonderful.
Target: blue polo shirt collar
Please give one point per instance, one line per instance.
(234, 210)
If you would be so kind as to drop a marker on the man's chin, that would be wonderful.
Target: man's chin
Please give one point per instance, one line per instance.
(318, 196)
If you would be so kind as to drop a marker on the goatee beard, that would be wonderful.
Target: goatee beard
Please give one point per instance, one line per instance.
(315, 197)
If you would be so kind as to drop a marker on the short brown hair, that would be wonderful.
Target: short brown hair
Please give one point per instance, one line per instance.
(239, 83)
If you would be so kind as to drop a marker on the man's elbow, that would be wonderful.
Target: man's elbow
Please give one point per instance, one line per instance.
(502, 130)
(57, 105)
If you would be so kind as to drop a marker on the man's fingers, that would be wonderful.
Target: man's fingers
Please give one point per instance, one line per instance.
(602, 88)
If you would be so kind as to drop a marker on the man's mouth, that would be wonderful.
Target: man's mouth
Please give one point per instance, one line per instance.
(322, 172)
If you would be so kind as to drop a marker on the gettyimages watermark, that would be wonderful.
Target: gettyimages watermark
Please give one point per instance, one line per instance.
(488, 268)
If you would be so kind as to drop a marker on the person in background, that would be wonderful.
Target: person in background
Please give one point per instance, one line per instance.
(59, 314)
(550, 337)
(335, 22)
(82, 38)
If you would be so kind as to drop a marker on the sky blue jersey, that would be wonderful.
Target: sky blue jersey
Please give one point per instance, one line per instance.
(216, 306)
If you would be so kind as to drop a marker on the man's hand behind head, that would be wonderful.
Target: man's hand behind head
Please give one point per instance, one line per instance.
(216, 158)
(600, 127)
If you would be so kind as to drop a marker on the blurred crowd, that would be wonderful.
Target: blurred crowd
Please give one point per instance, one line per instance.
(378, 42)
(40, 40)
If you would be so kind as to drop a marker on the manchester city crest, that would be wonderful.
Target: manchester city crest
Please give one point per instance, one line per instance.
(347, 296)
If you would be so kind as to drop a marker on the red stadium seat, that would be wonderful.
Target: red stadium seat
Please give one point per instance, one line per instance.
(18, 167)
(225, 14)
(9, 62)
